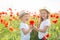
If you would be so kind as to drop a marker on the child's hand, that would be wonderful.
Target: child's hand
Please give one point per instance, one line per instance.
(30, 26)
(34, 26)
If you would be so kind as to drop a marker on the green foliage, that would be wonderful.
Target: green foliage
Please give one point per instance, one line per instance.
(6, 34)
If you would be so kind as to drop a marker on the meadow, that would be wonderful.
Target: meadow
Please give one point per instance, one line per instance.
(10, 29)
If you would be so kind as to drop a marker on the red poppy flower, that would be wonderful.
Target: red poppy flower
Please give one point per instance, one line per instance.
(38, 16)
(11, 28)
(51, 15)
(57, 16)
(44, 38)
(2, 21)
(47, 35)
(31, 22)
(6, 24)
(11, 15)
(3, 12)
(10, 9)
(34, 16)
(55, 21)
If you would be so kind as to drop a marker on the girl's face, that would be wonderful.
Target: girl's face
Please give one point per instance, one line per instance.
(25, 17)
(44, 14)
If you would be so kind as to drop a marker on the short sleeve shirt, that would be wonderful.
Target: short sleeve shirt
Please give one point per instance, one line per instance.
(23, 36)
(42, 25)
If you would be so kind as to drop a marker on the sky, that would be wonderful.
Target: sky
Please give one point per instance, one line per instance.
(30, 5)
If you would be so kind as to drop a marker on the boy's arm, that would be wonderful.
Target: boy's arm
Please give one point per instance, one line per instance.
(26, 31)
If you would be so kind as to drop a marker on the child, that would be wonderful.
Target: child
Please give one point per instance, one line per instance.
(25, 30)
(44, 24)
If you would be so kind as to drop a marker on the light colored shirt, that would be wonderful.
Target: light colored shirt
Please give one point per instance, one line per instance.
(23, 36)
(42, 25)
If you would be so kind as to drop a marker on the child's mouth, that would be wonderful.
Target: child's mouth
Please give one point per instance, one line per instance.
(26, 19)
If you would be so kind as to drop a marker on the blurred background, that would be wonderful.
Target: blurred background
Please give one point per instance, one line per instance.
(10, 12)
(30, 5)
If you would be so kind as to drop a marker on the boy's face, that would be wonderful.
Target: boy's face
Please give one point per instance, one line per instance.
(25, 17)
(44, 14)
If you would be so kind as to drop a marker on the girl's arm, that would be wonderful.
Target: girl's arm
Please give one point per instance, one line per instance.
(27, 31)
(44, 29)
(41, 30)
(35, 28)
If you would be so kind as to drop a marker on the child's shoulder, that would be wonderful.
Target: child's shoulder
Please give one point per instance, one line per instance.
(47, 21)
(23, 23)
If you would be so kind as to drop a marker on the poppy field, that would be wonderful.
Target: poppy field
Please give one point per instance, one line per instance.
(10, 30)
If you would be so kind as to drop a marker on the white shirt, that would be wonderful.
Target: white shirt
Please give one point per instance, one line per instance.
(42, 25)
(23, 36)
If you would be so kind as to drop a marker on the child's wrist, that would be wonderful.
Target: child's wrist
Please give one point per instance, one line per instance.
(31, 30)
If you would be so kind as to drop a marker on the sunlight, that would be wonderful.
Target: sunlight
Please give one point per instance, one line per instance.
(30, 5)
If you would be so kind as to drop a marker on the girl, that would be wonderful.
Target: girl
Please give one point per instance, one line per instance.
(44, 24)
(25, 30)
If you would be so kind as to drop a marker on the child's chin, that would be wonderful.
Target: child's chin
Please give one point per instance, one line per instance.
(43, 17)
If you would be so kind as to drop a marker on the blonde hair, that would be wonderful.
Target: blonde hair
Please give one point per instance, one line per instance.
(22, 14)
